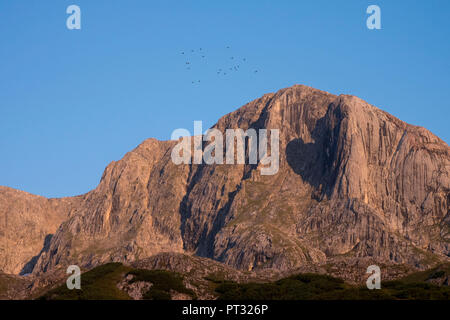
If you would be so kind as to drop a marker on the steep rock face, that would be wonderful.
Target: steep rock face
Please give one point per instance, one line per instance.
(27, 223)
(255, 225)
(132, 214)
(353, 182)
(396, 173)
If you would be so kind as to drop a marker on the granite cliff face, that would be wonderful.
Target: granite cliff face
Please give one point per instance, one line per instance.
(354, 182)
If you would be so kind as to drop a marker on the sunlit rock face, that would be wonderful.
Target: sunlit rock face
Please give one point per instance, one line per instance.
(353, 182)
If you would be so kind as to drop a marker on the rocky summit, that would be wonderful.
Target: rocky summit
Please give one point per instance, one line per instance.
(353, 183)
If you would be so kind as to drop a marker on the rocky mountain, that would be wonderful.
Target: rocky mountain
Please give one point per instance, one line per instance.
(354, 182)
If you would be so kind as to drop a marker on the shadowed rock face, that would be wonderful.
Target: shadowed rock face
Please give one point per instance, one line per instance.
(353, 182)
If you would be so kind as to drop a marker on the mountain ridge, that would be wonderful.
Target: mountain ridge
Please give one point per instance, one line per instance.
(354, 180)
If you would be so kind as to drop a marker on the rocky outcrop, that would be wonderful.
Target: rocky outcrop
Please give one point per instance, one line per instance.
(354, 182)
(136, 290)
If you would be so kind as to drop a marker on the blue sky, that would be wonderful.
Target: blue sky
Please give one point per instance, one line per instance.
(71, 101)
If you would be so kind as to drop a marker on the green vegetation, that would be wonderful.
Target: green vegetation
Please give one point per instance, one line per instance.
(101, 282)
(434, 273)
(216, 277)
(323, 287)
(416, 290)
(97, 284)
(298, 287)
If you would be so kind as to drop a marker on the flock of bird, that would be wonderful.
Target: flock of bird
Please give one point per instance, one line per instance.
(233, 67)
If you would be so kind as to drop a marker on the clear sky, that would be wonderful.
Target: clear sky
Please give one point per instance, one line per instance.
(71, 101)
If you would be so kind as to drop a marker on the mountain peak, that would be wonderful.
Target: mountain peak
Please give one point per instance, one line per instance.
(353, 182)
